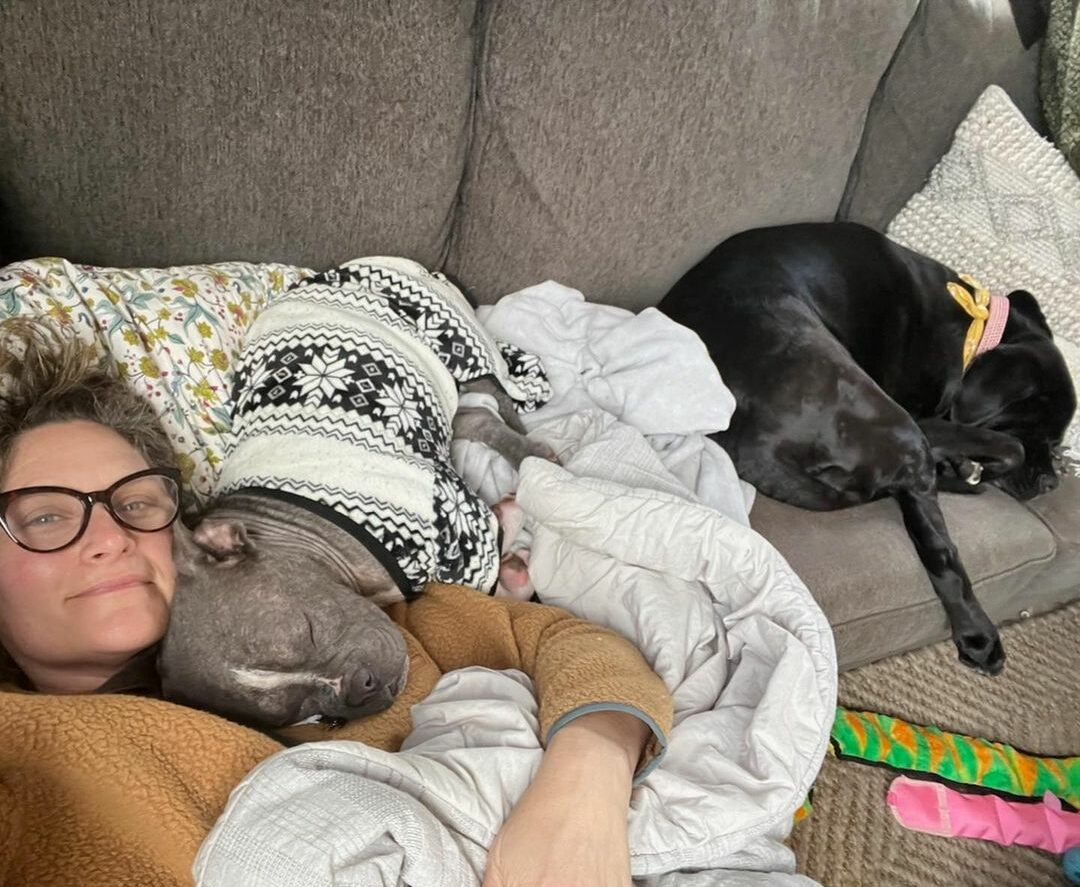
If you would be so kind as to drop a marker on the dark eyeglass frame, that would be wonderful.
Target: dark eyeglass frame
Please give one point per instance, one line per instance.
(88, 501)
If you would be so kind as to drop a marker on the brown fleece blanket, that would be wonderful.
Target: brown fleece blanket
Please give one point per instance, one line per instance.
(118, 790)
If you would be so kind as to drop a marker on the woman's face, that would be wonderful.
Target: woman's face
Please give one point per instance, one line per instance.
(72, 618)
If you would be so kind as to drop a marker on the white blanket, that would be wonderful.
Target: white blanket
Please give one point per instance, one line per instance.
(619, 539)
(646, 371)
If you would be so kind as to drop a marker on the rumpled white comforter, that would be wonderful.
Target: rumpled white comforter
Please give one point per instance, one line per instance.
(643, 528)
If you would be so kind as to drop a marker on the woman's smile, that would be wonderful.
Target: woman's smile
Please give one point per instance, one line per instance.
(111, 586)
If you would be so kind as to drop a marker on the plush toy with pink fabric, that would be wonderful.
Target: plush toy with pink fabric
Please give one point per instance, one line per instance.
(939, 810)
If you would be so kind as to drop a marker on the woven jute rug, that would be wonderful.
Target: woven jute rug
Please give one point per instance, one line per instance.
(851, 839)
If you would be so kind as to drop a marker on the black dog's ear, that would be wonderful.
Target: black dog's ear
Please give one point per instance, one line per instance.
(995, 380)
(1024, 304)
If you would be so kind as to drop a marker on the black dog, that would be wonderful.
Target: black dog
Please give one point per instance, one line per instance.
(845, 355)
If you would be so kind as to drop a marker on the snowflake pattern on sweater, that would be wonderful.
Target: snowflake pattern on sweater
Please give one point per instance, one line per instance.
(344, 396)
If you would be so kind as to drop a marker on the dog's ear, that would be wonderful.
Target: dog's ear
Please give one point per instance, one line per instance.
(996, 379)
(1024, 304)
(190, 560)
(213, 543)
(225, 540)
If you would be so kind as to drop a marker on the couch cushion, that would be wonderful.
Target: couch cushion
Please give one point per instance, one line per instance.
(1060, 512)
(617, 143)
(141, 133)
(951, 52)
(861, 567)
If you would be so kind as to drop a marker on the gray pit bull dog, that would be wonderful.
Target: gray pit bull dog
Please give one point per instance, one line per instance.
(337, 497)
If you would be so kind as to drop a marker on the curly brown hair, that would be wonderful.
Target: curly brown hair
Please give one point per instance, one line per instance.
(48, 375)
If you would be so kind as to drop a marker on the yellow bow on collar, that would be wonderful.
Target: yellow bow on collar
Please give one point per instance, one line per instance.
(977, 308)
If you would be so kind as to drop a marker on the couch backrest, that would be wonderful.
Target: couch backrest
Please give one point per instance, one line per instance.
(615, 143)
(607, 144)
(949, 54)
(154, 132)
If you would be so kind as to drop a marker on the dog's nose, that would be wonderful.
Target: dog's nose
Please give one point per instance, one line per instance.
(361, 686)
(1047, 482)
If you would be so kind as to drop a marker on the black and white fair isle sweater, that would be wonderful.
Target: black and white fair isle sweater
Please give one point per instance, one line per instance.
(344, 397)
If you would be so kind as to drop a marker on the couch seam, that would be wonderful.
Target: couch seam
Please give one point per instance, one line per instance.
(1053, 606)
(479, 31)
(1031, 562)
(1054, 535)
(843, 208)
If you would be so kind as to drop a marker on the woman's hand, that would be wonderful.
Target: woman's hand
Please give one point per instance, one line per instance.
(569, 828)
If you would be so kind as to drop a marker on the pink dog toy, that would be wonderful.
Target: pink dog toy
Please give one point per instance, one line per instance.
(933, 808)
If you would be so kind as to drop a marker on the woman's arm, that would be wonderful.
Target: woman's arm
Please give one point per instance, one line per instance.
(577, 667)
(604, 715)
(569, 828)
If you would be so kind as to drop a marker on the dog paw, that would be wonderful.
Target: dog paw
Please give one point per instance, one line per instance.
(971, 472)
(514, 581)
(982, 651)
(542, 450)
(511, 518)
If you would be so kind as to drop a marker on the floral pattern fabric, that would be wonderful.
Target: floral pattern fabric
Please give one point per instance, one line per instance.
(174, 333)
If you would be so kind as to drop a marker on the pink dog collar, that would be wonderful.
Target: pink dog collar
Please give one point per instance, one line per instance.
(988, 314)
(995, 324)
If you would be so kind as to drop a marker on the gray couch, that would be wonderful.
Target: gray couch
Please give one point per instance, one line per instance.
(607, 144)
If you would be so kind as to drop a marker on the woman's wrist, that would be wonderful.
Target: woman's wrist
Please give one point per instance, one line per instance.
(569, 828)
(599, 745)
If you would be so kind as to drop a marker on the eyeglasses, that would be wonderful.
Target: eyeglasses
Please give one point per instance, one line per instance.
(45, 519)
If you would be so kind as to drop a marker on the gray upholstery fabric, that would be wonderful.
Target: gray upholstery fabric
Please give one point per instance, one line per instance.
(617, 142)
(1023, 558)
(154, 132)
(1060, 512)
(951, 52)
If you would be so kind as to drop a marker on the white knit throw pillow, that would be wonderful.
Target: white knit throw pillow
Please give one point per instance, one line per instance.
(1003, 205)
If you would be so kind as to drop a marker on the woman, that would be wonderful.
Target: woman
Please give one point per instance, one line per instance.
(87, 508)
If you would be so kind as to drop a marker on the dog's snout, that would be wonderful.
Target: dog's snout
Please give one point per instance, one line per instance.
(1047, 482)
(361, 686)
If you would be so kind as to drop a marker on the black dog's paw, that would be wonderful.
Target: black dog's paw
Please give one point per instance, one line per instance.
(959, 475)
(956, 485)
(982, 652)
